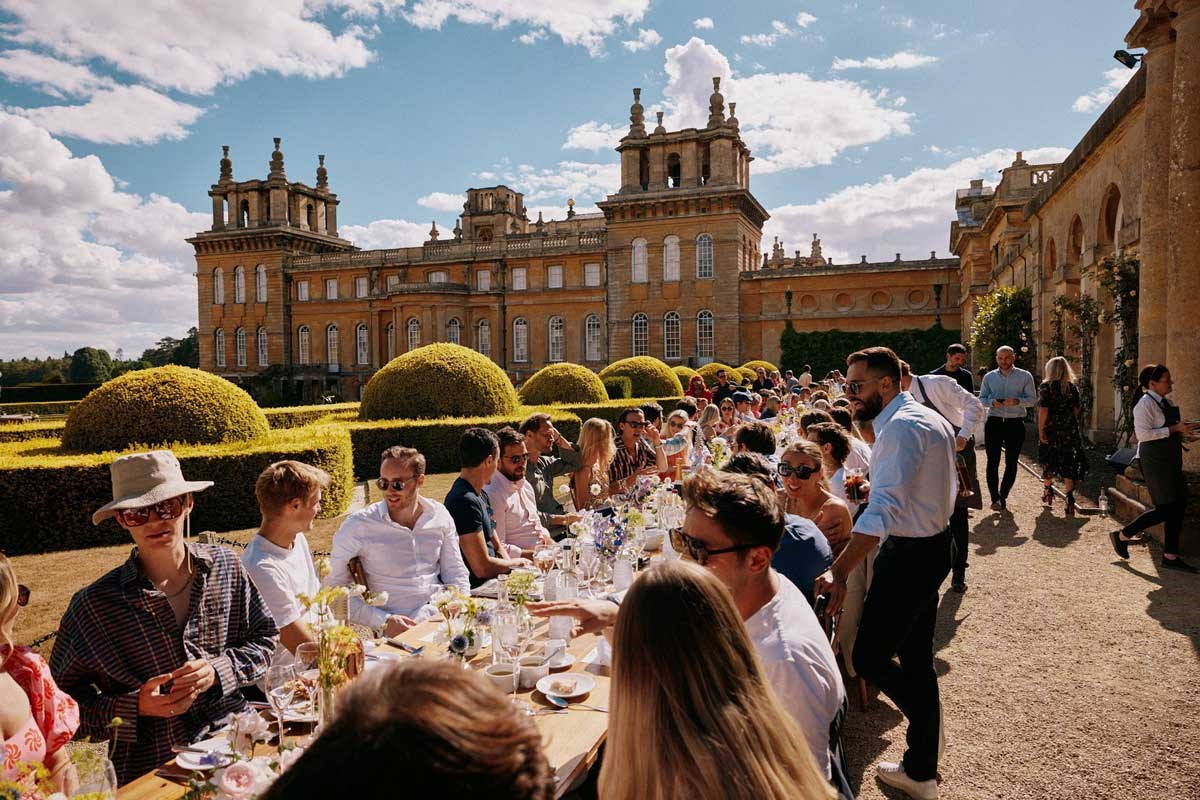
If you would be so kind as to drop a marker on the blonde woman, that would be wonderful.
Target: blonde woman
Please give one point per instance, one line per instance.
(710, 422)
(692, 712)
(676, 424)
(596, 452)
(807, 493)
(1060, 443)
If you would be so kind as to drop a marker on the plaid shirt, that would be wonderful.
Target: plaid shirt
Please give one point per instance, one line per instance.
(625, 463)
(120, 631)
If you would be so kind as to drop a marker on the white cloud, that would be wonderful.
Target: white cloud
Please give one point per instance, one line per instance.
(593, 135)
(533, 37)
(703, 24)
(910, 214)
(118, 115)
(1114, 81)
(49, 75)
(383, 234)
(443, 201)
(581, 181)
(789, 120)
(779, 30)
(901, 60)
(646, 38)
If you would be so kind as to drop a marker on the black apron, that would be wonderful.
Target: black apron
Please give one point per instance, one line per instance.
(1162, 460)
(968, 456)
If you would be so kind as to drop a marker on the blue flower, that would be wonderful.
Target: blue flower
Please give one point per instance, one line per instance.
(484, 618)
(458, 645)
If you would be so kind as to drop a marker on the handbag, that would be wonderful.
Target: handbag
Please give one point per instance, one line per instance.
(967, 471)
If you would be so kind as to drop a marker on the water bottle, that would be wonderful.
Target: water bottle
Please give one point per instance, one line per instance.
(1103, 504)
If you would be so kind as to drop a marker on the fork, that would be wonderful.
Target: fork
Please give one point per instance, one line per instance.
(408, 648)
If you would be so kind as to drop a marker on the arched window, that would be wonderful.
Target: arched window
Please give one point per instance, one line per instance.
(239, 284)
(391, 340)
(641, 334)
(639, 261)
(239, 339)
(362, 343)
(673, 171)
(261, 342)
(218, 287)
(520, 340)
(219, 346)
(303, 345)
(483, 338)
(591, 338)
(331, 346)
(704, 334)
(454, 331)
(414, 333)
(558, 339)
(671, 258)
(1110, 221)
(260, 283)
(704, 256)
(671, 336)
(1075, 242)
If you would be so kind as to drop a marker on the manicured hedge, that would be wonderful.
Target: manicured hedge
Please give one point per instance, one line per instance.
(39, 429)
(685, 375)
(651, 377)
(438, 380)
(755, 364)
(563, 383)
(611, 410)
(42, 409)
(827, 350)
(709, 373)
(49, 495)
(617, 387)
(298, 416)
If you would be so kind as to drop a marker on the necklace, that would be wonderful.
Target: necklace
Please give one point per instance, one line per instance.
(186, 584)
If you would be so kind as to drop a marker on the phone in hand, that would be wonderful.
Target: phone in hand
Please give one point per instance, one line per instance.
(165, 688)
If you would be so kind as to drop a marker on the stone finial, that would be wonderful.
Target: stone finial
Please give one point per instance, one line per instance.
(277, 161)
(732, 122)
(932, 255)
(322, 173)
(226, 165)
(716, 105)
(637, 118)
(660, 128)
(764, 260)
(539, 224)
(864, 259)
(816, 247)
(570, 208)
(797, 255)
(433, 232)
(898, 259)
(457, 231)
(1019, 161)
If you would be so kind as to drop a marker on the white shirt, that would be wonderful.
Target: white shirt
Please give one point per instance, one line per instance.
(799, 664)
(859, 456)
(913, 480)
(280, 575)
(961, 407)
(515, 511)
(1149, 421)
(806, 379)
(410, 564)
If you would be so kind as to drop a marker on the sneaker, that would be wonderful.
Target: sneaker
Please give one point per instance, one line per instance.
(1120, 545)
(894, 775)
(1179, 564)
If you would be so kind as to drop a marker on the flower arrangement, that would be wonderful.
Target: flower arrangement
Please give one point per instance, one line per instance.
(466, 618)
(243, 778)
(92, 766)
(720, 452)
(520, 588)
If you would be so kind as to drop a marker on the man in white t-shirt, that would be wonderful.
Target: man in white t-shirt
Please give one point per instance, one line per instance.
(277, 558)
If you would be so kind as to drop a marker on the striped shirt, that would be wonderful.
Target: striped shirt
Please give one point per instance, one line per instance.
(120, 631)
(625, 463)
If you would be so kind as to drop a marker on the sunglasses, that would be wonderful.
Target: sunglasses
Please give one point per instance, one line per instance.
(396, 485)
(854, 387)
(515, 460)
(697, 550)
(802, 472)
(171, 508)
(633, 424)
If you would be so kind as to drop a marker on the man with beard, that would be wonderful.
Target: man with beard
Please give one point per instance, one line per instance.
(913, 489)
(514, 506)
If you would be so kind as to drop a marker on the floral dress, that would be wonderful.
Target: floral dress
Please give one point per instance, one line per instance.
(1063, 455)
(53, 714)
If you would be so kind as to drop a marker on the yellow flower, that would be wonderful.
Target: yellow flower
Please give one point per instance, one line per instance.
(323, 566)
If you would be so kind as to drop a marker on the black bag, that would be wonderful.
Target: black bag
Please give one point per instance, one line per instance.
(967, 454)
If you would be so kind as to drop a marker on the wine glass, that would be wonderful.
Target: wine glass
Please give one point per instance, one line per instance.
(589, 565)
(281, 684)
(544, 558)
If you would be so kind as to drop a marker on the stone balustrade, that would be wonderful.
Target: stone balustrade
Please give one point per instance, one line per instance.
(523, 245)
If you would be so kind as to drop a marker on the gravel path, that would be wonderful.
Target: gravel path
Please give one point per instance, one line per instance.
(1064, 672)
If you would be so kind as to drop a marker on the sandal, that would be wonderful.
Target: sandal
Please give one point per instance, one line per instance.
(1048, 496)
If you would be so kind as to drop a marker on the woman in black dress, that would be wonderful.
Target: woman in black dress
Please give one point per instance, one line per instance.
(1060, 448)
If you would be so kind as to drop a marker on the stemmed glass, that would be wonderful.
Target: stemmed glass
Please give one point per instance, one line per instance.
(544, 558)
(589, 565)
(281, 684)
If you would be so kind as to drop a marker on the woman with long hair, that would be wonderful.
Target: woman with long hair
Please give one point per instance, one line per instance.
(710, 423)
(1160, 434)
(589, 485)
(729, 419)
(692, 714)
(36, 717)
(674, 425)
(806, 492)
(1060, 443)
(697, 389)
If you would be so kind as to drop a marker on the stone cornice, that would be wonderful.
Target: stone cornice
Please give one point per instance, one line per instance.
(837, 270)
(680, 199)
(240, 240)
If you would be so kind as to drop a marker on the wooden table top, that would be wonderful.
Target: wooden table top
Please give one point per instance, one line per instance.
(571, 739)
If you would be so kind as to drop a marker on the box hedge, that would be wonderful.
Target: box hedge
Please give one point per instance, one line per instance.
(685, 375)
(617, 387)
(49, 495)
(755, 364)
(298, 416)
(41, 409)
(438, 380)
(709, 373)
(563, 382)
(650, 377)
(611, 410)
(38, 429)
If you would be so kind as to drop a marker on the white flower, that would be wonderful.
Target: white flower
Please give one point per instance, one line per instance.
(376, 598)
(288, 757)
(594, 490)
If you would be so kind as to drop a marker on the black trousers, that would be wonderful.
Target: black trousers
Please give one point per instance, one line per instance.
(1171, 517)
(1005, 435)
(898, 620)
(959, 524)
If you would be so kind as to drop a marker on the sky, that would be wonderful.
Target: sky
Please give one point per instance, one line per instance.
(863, 119)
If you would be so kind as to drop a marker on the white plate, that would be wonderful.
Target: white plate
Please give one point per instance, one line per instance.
(564, 660)
(584, 683)
(196, 761)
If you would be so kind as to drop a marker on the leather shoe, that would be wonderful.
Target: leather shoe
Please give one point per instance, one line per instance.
(959, 582)
(894, 775)
(1119, 544)
(1179, 564)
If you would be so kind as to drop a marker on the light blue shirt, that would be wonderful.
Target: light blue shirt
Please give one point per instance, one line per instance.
(1017, 384)
(913, 481)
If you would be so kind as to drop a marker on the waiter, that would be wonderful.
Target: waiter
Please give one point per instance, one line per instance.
(1160, 435)
(962, 409)
(913, 488)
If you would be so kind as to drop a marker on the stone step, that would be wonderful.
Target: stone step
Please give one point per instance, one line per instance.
(1134, 489)
(1122, 507)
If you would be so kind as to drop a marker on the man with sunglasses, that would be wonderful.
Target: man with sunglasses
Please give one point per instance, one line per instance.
(515, 508)
(406, 545)
(723, 388)
(639, 451)
(167, 640)
(914, 486)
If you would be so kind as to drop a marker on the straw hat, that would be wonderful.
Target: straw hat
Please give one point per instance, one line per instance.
(143, 479)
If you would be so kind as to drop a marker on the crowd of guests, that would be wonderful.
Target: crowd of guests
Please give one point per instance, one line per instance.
(723, 672)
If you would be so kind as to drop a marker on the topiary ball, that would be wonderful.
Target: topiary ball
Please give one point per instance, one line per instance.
(563, 383)
(162, 405)
(685, 375)
(709, 373)
(649, 376)
(754, 365)
(438, 380)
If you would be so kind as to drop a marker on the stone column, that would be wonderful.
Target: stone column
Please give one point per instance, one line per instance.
(1183, 263)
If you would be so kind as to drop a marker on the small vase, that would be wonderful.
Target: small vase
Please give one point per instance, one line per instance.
(326, 707)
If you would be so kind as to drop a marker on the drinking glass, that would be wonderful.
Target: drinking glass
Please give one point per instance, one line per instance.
(853, 484)
(589, 565)
(281, 685)
(306, 657)
(544, 557)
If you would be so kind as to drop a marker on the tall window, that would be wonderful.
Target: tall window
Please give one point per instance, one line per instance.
(483, 280)
(518, 279)
(414, 333)
(591, 274)
(239, 344)
(704, 256)
(219, 346)
(639, 273)
(454, 331)
(302, 290)
(261, 341)
(483, 338)
(362, 286)
(557, 339)
(641, 335)
(303, 345)
(671, 336)
(520, 340)
(438, 277)
(362, 344)
(554, 276)
(671, 258)
(260, 284)
(393, 282)
(704, 334)
(331, 288)
(218, 287)
(239, 284)
(331, 346)
(591, 338)
(391, 340)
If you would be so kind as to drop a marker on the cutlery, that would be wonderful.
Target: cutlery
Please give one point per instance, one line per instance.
(562, 702)
(408, 648)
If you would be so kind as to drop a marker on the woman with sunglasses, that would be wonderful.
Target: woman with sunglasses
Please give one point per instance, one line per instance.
(807, 493)
(36, 718)
(675, 425)
(729, 419)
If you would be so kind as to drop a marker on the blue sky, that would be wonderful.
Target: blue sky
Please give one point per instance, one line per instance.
(863, 117)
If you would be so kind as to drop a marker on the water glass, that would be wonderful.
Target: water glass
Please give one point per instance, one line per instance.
(281, 684)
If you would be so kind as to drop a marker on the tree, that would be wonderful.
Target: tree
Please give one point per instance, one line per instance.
(1004, 317)
(169, 350)
(89, 365)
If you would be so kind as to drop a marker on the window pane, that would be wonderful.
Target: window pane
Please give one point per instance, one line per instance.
(454, 331)
(704, 334)
(239, 285)
(437, 277)
(260, 283)
(302, 290)
(704, 256)
(262, 347)
(304, 344)
(639, 273)
(484, 343)
(414, 334)
(520, 340)
(671, 335)
(671, 258)
(239, 339)
(483, 280)
(518, 279)
(393, 282)
(592, 338)
(331, 346)
(641, 335)
(363, 344)
(557, 339)
(391, 341)
(219, 347)
(360, 287)
(218, 287)
(331, 288)
(591, 274)
(554, 276)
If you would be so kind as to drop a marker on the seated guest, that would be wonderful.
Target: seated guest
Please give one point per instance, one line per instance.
(36, 717)
(742, 405)
(761, 381)
(771, 409)
(805, 395)
(639, 451)
(589, 485)
(689, 406)
(755, 437)
(710, 424)
(691, 713)
(511, 496)
(167, 640)
(467, 502)
(677, 430)
(724, 388)
(807, 493)
(756, 405)
(427, 725)
(277, 559)
(696, 388)
(729, 418)
(550, 455)
(860, 451)
(406, 545)
(653, 413)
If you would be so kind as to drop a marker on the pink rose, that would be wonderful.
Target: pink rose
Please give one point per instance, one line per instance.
(238, 781)
(288, 757)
